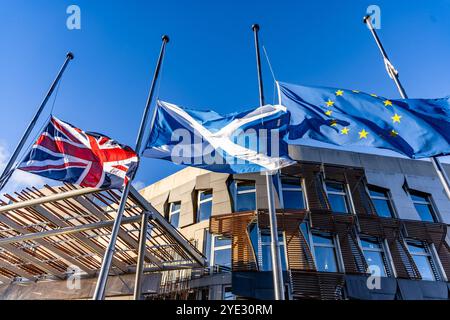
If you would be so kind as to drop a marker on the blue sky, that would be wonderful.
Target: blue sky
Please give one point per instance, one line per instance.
(210, 60)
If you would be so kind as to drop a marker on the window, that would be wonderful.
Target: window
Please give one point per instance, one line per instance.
(423, 260)
(261, 242)
(337, 196)
(292, 193)
(174, 214)
(228, 293)
(204, 205)
(422, 203)
(221, 255)
(245, 199)
(324, 251)
(375, 256)
(382, 201)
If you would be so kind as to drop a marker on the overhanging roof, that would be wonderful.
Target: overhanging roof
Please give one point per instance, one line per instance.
(43, 233)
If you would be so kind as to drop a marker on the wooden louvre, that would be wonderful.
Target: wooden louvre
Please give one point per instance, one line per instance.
(317, 285)
(390, 229)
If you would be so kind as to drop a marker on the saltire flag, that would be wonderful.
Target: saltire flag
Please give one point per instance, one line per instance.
(65, 153)
(417, 128)
(250, 141)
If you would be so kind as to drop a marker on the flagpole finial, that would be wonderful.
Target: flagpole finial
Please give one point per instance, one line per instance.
(70, 55)
(255, 27)
(366, 18)
(165, 38)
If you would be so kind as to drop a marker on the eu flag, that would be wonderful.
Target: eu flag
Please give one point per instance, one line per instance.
(417, 128)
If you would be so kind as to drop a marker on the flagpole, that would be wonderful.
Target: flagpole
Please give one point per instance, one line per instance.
(274, 245)
(393, 73)
(6, 172)
(107, 259)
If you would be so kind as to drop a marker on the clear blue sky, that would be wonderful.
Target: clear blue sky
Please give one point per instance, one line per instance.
(210, 60)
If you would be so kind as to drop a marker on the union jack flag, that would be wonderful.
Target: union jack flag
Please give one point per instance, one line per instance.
(63, 152)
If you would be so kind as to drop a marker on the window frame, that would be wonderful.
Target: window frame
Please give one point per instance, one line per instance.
(281, 243)
(200, 202)
(214, 248)
(433, 260)
(430, 203)
(337, 249)
(388, 199)
(171, 213)
(237, 192)
(301, 188)
(346, 193)
(385, 253)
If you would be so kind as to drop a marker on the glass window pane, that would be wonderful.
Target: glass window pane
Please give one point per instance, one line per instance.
(204, 210)
(375, 192)
(175, 206)
(317, 239)
(204, 195)
(370, 244)
(304, 230)
(338, 203)
(375, 259)
(418, 197)
(222, 257)
(267, 253)
(245, 186)
(267, 257)
(416, 249)
(293, 200)
(246, 202)
(228, 294)
(222, 241)
(424, 212)
(292, 183)
(335, 187)
(175, 219)
(424, 266)
(383, 208)
(325, 259)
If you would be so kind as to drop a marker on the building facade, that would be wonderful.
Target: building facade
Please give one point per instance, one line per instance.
(350, 225)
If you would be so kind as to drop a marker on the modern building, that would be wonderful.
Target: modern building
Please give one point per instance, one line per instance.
(350, 225)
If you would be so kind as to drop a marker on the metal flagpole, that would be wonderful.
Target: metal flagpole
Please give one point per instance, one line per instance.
(393, 73)
(141, 257)
(275, 245)
(7, 171)
(106, 263)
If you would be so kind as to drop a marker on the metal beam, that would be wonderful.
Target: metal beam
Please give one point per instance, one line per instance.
(122, 234)
(141, 256)
(66, 231)
(6, 265)
(49, 246)
(33, 260)
(168, 227)
(46, 199)
(89, 243)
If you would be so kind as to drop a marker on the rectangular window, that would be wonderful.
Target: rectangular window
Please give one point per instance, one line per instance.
(375, 255)
(204, 205)
(423, 260)
(245, 199)
(221, 255)
(292, 193)
(228, 293)
(422, 203)
(266, 253)
(261, 243)
(337, 196)
(382, 201)
(174, 214)
(324, 250)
